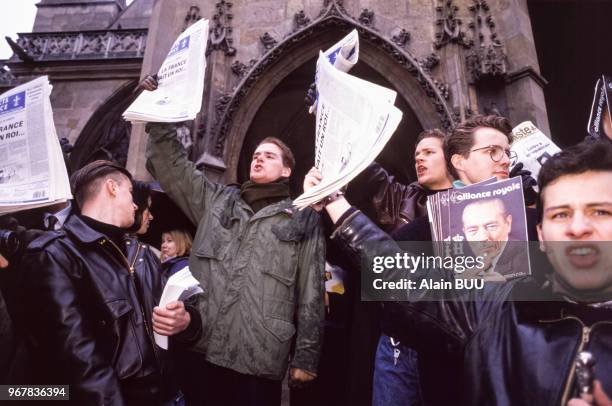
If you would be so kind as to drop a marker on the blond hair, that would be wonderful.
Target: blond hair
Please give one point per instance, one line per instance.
(182, 240)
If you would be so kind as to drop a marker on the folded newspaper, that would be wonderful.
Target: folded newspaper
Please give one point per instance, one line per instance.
(180, 81)
(343, 55)
(180, 286)
(601, 115)
(32, 168)
(486, 220)
(532, 147)
(355, 119)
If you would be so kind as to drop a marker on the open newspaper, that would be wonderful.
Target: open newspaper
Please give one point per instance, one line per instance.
(180, 286)
(355, 119)
(32, 169)
(532, 147)
(486, 220)
(343, 55)
(180, 81)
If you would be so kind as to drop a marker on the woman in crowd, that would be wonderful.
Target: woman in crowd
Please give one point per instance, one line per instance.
(175, 249)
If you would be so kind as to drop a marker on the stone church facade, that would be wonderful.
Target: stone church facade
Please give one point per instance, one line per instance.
(447, 60)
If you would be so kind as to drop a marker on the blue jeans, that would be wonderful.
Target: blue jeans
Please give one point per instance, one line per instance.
(396, 375)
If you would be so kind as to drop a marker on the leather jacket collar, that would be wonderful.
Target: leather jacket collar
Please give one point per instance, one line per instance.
(81, 231)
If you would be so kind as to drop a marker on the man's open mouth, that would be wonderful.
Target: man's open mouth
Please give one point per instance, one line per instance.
(583, 256)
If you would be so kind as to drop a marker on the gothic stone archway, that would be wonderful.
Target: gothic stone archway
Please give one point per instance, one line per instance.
(423, 94)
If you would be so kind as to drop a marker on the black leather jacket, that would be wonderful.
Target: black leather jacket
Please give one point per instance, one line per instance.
(511, 351)
(89, 324)
(392, 203)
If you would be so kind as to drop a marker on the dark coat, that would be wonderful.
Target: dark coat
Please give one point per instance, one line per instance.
(173, 265)
(512, 349)
(90, 326)
(393, 204)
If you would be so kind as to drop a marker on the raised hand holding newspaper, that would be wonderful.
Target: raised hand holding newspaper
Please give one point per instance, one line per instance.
(32, 169)
(355, 119)
(180, 286)
(532, 147)
(343, 55)
(181, 81)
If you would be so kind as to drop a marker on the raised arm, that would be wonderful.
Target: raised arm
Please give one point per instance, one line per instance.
(394, 203)
(187, 186)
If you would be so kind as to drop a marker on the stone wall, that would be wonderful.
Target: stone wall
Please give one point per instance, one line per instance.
(75, 102)
(75, 15)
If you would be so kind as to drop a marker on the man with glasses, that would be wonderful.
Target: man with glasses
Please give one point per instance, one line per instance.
(479, 149)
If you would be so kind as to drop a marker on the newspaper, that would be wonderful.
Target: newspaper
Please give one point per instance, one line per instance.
(487, 219)
(32, 169)
(355, 119)
(343, 55)
(601, 115)
(180, 286)
(181, 81)
(532, 147)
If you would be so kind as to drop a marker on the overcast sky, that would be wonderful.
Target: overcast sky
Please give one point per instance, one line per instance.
(16, 16)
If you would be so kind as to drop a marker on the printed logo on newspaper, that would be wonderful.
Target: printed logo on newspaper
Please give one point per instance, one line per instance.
(179, 46)
(12, 103)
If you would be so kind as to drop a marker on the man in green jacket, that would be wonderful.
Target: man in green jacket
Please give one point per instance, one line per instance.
(260, 263)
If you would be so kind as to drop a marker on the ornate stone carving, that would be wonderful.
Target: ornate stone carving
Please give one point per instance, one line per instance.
(240, 69)
(6, 77)
(300, 20)
(268, 41)
(366, 17)
(333, 15)
(193, 15)
(443, 88)
(220, 38)
(449, 26)
(93, 45)
(487, 58)
(59, 46)
(493, 110)
(401, 38)
(127, 42)
(430, 61)
(82, 45)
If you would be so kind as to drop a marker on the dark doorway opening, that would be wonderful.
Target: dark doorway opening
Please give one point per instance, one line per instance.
(285, 115)
(572, 39)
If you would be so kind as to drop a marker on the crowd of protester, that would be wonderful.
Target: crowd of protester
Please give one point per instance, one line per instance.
(79, 305)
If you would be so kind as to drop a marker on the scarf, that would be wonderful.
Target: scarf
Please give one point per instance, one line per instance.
(260, 195)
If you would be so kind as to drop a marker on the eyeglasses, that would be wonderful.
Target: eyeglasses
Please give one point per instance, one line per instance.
(497, 153)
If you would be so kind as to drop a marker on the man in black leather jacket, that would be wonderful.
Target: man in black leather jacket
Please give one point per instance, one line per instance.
(519, 340)
(89, 322)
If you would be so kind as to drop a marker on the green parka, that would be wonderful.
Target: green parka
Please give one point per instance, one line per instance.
(262, 274)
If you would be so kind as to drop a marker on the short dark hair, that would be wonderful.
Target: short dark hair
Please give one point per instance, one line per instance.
(433, 133)
(461, 140)
(287, 155)
(85, 182)
(141, 193)
(577, 159)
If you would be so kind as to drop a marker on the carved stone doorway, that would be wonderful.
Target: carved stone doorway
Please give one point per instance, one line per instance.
(283, 114)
